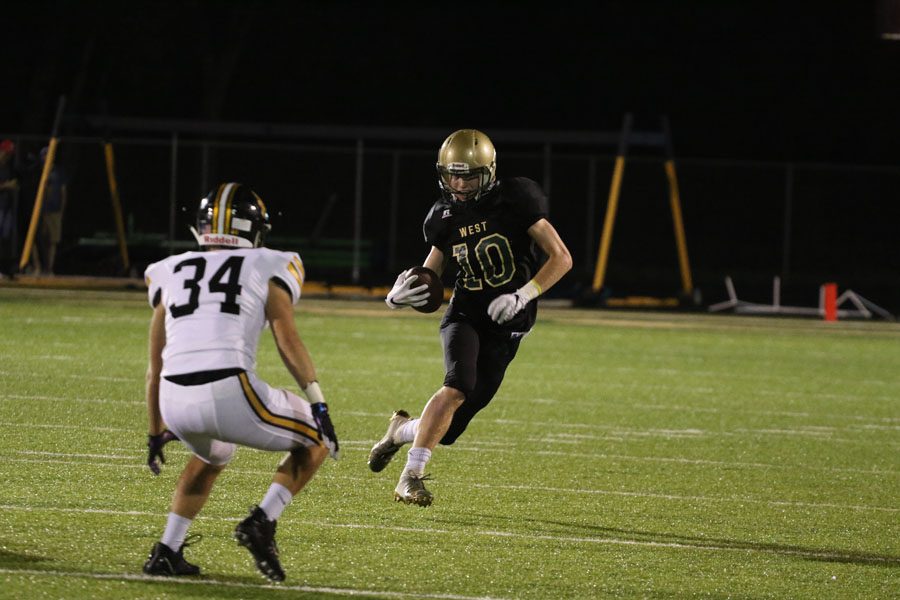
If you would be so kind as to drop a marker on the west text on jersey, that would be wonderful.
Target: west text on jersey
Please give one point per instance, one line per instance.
(473, 229)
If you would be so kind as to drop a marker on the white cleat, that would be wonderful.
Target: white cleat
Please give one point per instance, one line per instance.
(382, 452)
(411, 490)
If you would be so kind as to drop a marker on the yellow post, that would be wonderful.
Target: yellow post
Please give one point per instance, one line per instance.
(38, 204)
(117, 206)
(606, 237)
(687, 285)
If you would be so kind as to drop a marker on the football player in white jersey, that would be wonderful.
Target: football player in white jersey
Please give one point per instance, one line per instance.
(209, 308)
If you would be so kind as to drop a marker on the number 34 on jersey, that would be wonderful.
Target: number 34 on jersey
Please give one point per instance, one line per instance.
(215, 302)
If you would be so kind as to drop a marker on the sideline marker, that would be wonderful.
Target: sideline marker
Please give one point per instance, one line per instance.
(830, 312)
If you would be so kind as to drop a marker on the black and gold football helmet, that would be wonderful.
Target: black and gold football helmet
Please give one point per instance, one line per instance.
(467, 153)
(232, 216)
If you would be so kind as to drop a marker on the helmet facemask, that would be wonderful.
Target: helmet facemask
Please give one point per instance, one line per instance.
(484, 175)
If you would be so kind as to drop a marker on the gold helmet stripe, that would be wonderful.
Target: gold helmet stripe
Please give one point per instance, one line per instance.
(222, 208)
(262, 205)
(228, 213)
(284, 422)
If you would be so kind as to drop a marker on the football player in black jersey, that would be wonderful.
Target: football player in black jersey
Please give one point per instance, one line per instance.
(495, 230)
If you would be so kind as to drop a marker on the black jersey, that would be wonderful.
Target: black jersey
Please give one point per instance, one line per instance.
(489, 242)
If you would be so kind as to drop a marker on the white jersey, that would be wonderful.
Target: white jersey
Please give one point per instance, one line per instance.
(215, 304)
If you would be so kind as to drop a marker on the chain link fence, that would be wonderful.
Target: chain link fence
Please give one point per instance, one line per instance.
(353, 209)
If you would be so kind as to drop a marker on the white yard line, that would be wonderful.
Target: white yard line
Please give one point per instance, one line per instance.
(235, 584)
(33, 397)
(813, 432)
(747, 465)
(62, 426)
(77, 455)
(739, 499)
(138, 464)
(872, 421)
(493, 447)
(763, 413)
(743, 547)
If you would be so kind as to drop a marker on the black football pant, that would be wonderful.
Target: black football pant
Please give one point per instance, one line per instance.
(475, 362)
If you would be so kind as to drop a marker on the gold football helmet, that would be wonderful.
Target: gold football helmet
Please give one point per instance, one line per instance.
(467, 153)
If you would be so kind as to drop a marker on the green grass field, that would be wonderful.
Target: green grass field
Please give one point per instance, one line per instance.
(626, 455)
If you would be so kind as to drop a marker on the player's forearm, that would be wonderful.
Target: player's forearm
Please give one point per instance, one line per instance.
(154, 369)
(297, 360)
(154, 416)
(557, 265)
(559, 261)
(300, 365)
(435, 261)
(302, 371)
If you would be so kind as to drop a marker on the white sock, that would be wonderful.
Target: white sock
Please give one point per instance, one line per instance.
(275, 501)
(407, 432)
(176, 531)
(416, 460)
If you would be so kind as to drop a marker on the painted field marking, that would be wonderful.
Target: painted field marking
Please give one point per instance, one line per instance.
(743, 547)
(659, 407)
(492, 447)
(33, 397)
(236, 584)
(527, 488)
(742, 499)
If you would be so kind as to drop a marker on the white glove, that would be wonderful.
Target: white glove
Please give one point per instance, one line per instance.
(403, 294)
(505, 307)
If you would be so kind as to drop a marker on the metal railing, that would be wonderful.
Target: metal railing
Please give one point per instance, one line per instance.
(370, 188)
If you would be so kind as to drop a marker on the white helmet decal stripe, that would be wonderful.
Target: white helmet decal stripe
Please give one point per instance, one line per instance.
(241, 224)
(224, 199)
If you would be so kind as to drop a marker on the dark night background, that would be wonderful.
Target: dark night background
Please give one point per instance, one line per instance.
(771, 82)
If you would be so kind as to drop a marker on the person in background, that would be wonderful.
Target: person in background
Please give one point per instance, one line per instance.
(55, 198)
(9, 190)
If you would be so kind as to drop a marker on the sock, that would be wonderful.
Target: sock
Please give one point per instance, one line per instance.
(416, 460)
(275, 501)
(176, 531)
(407, 432)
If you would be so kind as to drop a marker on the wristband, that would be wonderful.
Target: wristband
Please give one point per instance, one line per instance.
(314, 393)
(530, 291)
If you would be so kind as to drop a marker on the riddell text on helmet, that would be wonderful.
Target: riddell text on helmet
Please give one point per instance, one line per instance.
(220, 240)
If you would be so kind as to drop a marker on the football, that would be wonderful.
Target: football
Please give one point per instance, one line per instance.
(435, 288)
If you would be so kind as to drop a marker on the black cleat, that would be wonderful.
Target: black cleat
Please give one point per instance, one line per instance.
(256, 533)
(165, 561)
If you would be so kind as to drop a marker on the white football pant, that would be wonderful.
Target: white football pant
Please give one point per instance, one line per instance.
(211, 418)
